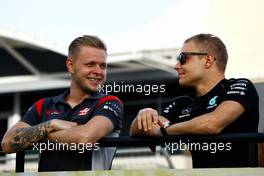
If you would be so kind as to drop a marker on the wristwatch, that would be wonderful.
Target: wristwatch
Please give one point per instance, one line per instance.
(163, 128)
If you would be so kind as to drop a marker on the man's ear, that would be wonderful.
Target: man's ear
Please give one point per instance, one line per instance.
(209, 61)
(69, 64)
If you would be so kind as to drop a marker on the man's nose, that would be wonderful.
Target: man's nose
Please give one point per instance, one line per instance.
(177, 65)
(97, 69)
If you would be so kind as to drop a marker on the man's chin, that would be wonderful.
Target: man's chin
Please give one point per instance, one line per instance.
(91, 90)
(183, 83)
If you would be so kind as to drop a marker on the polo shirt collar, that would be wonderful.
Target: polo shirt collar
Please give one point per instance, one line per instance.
(61, 97)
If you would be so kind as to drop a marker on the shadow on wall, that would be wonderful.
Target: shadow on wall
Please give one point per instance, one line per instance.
(260, 89)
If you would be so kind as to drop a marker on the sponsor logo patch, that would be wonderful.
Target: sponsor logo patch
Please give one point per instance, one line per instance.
(110, 109)
(84, 111)
(212, 103)
(52, 112)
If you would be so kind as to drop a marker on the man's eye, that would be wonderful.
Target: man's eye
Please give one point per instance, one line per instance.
(103, 66)
(89, 64)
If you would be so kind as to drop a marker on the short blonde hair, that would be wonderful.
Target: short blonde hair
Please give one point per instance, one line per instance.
(211, 44)
(85, 40)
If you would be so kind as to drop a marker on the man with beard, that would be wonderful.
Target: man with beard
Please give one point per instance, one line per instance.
(81, 115)
(217, 106)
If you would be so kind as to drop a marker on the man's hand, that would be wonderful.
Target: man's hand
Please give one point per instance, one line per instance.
(162, 121)
(58, 124)
(147, 123)
(146, 118)
(155, 131)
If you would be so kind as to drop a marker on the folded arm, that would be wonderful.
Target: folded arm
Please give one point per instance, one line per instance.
(22, 135)
(209, 123)
(91, 132)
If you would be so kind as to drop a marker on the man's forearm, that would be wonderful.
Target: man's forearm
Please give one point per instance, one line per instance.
(72, 135)
(200, 125)
(65, 136)
(91, 132)
(134, 131)
(24, 137)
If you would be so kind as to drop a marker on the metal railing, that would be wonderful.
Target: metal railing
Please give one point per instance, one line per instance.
(127, 141)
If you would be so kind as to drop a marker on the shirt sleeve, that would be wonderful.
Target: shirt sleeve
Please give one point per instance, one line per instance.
(31, 116)
(113, 110)
(173, 110)
(243, 92)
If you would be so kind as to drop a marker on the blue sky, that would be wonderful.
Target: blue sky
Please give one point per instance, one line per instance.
(62, 20)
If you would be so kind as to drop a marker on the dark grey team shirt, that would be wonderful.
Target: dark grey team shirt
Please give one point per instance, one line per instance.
(235, 154)
(56, 108)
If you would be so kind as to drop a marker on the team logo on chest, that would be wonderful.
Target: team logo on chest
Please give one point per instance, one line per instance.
(84, 111)
(212, 103)
(185, 112)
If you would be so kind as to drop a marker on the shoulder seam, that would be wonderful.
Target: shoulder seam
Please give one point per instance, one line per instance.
(108, 98)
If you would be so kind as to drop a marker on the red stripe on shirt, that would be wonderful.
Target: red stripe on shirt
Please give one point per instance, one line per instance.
(39, 105)
(108, 98)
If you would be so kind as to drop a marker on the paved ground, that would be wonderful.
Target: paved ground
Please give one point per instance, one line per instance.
(155, 172)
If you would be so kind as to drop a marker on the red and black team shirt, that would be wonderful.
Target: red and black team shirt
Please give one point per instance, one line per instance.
(56, 108)
(184, 108)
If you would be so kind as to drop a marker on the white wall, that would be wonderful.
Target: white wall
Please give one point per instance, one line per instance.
(240, 23)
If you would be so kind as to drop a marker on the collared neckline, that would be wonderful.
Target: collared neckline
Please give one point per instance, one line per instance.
(212, 91)
(61, 97)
